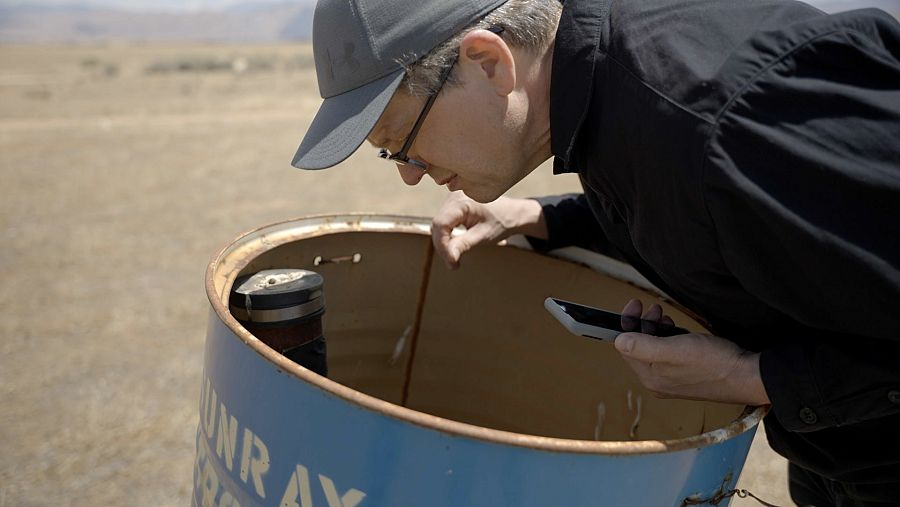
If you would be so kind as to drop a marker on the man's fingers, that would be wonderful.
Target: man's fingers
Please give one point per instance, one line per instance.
(452, 214)
(458, 212)
(634, 308)
(643, 347)
(458, 246)
(654, 313)
(653, 349)
(441, 240)
(464, 242)
(631, 315)
(481, 222)
(650, 321)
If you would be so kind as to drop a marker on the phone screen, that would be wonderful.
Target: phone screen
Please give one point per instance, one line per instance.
(615, 321)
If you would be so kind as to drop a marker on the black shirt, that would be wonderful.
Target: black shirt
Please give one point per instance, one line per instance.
(744, 156)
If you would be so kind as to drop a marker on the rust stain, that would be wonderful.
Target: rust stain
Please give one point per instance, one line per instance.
(417, 325)
(717, 497)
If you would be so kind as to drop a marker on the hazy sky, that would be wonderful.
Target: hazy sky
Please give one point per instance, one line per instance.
(194, 5)
(151, 5)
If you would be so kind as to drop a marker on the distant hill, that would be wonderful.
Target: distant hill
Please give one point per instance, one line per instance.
(58, 21)
(242, 23)
(890, 6)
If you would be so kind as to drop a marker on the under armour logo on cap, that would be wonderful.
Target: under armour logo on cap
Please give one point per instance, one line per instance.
(344, 61)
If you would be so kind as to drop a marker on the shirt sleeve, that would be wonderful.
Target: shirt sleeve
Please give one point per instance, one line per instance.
(802, 182)
(570, 222)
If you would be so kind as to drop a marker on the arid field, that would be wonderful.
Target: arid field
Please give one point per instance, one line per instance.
(124, 169)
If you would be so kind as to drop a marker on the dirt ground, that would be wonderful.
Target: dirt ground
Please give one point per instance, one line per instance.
(124, 168)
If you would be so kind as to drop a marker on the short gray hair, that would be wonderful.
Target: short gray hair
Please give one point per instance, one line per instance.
(527, 24)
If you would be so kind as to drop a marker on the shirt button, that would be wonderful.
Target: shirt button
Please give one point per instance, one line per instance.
(808, 416)
(894, 396)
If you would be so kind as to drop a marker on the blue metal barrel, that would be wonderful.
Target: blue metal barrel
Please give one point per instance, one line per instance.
(445, 388)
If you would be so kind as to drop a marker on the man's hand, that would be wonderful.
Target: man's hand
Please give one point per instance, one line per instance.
(691, 366)
(484, 223)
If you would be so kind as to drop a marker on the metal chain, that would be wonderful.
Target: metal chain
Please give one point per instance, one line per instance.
(715, 500)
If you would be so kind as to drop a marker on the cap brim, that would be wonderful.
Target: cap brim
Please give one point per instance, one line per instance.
(343, 122)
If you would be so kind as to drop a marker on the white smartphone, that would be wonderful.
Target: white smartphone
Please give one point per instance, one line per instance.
(602, 325)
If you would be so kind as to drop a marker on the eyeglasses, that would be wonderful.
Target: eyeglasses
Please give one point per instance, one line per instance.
(400, 156)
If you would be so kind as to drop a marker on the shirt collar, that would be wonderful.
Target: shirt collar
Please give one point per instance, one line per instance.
(572, 75)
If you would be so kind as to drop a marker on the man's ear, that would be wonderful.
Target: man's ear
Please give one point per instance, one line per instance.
(484, 55)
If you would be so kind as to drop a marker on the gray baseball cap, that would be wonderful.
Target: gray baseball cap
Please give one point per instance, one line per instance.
(360, 48)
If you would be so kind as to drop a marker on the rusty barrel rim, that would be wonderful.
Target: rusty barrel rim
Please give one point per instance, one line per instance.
(282, 232)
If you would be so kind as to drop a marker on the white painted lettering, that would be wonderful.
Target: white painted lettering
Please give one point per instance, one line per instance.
(204, 387)
(245, 454)
(350, 499)
(254, 466)
(227, 437)
(210, 412)
(298, 493)
(200, 458)
(210, 485)
(298, 485)
(228, 501)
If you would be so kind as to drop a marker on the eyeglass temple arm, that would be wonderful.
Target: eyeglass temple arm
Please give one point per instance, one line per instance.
(420, 120)
(430, 102)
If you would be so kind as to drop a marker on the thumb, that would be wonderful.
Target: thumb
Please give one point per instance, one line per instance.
(442, 230)
(452, 255)
(643, 347)
(459, 245)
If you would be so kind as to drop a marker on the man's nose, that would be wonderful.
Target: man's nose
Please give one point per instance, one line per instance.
(410, 174)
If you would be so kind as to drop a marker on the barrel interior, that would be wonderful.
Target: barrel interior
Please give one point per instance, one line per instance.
(484, 351)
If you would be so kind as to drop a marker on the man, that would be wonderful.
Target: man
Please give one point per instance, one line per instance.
(743, 155)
